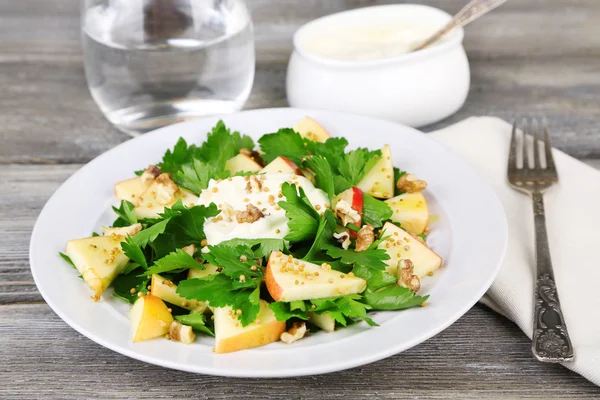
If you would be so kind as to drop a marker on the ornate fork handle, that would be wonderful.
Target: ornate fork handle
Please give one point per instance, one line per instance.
(551, 342)
(470, 12)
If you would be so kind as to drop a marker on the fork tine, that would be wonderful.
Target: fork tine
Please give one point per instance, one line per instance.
(512, 153)
(548, 148)
(536, 148)
(524, 146)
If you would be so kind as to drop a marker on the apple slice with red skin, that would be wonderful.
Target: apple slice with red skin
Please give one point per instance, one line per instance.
(355, 197)
(290, 279)
(282, 165)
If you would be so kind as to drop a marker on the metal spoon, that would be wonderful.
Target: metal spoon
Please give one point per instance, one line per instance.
(470, 12)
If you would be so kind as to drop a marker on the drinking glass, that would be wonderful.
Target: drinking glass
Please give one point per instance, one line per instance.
(151, 63)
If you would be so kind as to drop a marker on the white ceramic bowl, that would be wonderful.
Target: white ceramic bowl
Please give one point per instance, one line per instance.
(416, 89)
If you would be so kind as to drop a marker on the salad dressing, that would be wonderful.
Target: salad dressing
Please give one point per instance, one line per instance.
(368, 42)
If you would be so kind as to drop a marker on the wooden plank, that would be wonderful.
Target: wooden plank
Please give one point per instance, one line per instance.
(481, 356)
(48, 116)
(535, 57)
(527, 29)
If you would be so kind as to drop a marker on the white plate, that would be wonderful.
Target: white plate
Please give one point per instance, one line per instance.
(469, 233)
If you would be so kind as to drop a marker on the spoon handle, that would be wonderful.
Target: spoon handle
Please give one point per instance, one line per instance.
(470, 12)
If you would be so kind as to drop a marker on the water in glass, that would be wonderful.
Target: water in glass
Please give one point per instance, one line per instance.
(153, 63)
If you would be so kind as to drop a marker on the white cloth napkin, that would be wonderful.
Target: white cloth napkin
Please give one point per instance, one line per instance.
(573, 222)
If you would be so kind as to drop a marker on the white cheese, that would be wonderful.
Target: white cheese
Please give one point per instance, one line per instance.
(262, 191)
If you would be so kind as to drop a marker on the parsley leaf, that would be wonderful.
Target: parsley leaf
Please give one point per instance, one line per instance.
(221, 144)
(130, 267)
(181, 154)
(260, 247)
(196, 321)
(324, 236)
(123, 284)
(298, 305)
(343, 308)
(190, 221)
(185, 226)
(332, 150)
(195, 175)
(284, 311)
(355, 164)
(375, 212)
(228, 288)
(67, 259)
(422, 236)
(192, 167)
(150, 234)
(213, 288)
(323, 174)
(126, 214)
(394, 298)
(303, 219)
(134, 252)
(371, 258)
(285, 142)
(376, 279)
(177, 260)
(235, 261)
(219, 291)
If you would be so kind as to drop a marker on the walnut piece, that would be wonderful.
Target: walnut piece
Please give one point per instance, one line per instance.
(296, 332)
(343, 238)
(253, 183)
(364, 238)
(406, 277)
(123, 231)
(345, 212)
(151, 173)
(251, 215)
(410, 184)
(181, 333)
(166, 190)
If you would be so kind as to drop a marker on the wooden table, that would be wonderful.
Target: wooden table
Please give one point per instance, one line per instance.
(536, 57)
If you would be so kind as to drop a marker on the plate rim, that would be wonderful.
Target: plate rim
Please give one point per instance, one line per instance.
(346, 363)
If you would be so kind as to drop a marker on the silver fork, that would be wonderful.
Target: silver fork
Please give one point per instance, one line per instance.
(551, 341)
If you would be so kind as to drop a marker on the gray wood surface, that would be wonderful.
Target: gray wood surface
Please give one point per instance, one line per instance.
(528, 57)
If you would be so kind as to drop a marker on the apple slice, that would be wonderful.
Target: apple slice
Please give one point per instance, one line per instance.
(209, 269)
(242, 163)
(150, 318)
(281, 165)
(166, 290)
(324, 321)
(131, 189)
(230, 335)
(288, 279)
(98, 259)
(410, 211)
(379, 181)
(401, 245)
(310, 129)
(150, 203)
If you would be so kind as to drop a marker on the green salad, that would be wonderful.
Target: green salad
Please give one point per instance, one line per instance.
(254, 243)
